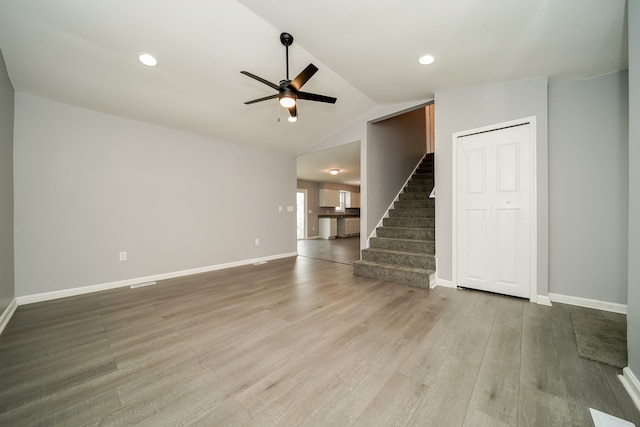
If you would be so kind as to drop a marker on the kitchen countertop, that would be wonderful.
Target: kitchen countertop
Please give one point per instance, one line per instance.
(338, 216)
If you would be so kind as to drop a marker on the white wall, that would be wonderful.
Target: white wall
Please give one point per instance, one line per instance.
(89, 185)
(394, 147)
(633, 299)
(588, 188)
(6, 188)
(471, 108)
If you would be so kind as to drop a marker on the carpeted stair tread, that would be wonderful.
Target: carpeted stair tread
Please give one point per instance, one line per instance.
(403, 250)
(399, 258)
(403, 245)
(414, 195)
(415, 222)
(412, 213)
(406, 275)
(410, 204)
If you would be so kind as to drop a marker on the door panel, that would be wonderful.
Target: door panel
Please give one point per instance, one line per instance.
(475, 244)
(493, 211)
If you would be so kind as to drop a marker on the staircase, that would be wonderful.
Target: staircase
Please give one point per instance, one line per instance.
(404, 248)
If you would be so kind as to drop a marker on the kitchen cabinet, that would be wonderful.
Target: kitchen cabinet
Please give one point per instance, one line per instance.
(328, 228)
(348, 227)
(354, 200)
(329, 198)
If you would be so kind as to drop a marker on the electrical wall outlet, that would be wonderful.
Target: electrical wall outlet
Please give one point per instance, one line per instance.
(257, 242)
(123, 256)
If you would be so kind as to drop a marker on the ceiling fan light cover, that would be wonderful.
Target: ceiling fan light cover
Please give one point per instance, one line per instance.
(287, 98)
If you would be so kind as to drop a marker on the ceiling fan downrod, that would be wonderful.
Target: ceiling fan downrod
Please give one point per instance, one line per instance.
(287, 40)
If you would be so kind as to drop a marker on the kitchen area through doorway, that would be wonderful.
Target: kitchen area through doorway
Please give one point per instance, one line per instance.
(328, 204)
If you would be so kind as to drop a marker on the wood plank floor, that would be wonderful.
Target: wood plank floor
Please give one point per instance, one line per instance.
(345, 250)
(298, 341)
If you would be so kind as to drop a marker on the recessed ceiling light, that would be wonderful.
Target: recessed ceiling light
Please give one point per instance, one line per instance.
(334, 171)
(148, 59)
(426, 60)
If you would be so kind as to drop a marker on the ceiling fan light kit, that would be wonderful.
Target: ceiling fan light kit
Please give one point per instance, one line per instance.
(287, 98)
(289, 90)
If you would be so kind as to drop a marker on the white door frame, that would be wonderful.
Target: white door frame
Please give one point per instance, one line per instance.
(306, 213)
(533, 249)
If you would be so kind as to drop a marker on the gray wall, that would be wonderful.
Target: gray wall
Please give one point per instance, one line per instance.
(394, 147)
(588, 188)
(471, 108)
(6, 188)
(633, 304)
(89, 185)
(312, 205)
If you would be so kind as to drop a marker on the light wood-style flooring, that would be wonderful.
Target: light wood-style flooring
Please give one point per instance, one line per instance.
(298, 341)
(345, 250)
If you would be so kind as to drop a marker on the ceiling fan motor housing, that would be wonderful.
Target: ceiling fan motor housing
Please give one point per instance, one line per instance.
(286, 39)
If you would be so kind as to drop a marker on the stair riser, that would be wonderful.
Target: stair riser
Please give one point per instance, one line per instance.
(402, 260)
(409, 222)
(392, 275)
(414, 195)
(427, 247)
(420, 183)
(418, 188)
(410, 204)
(422, 177)
(406, 233)
(412, 213)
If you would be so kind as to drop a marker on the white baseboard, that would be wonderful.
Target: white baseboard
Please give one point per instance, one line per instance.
(7, 313)
(589, 303)
(46, 296)
(432, 280)
(445, 283)
(631, 384)
(543, 300)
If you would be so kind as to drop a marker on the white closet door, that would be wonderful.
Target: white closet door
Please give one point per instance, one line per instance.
(494, 211)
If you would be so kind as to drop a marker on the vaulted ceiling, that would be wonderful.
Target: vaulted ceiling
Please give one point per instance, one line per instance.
(85, 53)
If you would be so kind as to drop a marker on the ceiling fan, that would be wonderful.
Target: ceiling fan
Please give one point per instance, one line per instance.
(289, 90)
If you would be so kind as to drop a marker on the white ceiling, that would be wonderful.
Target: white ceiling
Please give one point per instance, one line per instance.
(85, 53)
(345, 158)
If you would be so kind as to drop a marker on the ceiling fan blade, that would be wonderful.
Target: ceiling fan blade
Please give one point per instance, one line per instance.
(316, 97)
(262, 99)
(261, 80)
(303, 77)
